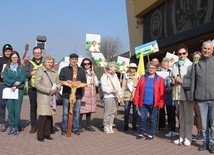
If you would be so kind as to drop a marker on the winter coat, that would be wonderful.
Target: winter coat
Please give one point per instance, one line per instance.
(89, 101)
(3, 60)
(178, 90)
(202, 79)
(10, 77)
(159, 91)
(43, 86)
(66, 73)
(107, 86)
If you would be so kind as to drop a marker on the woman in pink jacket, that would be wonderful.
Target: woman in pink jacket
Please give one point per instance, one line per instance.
(89, 103)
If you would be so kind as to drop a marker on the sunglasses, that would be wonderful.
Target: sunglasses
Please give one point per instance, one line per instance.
(182, 53)
(86, 64)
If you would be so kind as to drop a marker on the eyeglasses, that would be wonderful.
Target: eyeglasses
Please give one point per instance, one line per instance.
(182, 53)
(86, 64)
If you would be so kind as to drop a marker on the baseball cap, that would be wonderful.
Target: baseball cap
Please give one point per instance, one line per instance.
(7, 47)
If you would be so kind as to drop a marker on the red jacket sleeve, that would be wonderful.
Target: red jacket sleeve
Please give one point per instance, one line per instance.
(137, 94)
(162, 93)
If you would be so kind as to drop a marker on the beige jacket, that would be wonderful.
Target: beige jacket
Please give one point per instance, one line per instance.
(178, 92)
(43, 86)
(129, 82)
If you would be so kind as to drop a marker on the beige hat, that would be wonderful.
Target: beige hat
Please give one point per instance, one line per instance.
(132, 65)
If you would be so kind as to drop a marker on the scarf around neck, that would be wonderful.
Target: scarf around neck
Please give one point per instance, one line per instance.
(182, 62)
(14, 66)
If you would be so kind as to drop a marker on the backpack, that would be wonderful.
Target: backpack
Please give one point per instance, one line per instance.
(35, 67)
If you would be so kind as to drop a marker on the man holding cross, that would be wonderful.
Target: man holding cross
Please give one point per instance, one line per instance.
(72, 73)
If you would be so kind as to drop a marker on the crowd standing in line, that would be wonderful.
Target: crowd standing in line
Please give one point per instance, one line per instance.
(187, 85)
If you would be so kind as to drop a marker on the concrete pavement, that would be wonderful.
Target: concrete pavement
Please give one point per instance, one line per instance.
(90, 143)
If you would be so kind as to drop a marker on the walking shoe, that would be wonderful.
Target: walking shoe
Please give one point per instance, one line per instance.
(178, 141)
(76, 132)
(3, 127)
(11, 132)
(171, 133)
(81, 129)
(16, 132)
(203, 147)
(111, 129)
(48, 137)
(134, 128)
(199, 136)
(106, 129)
(63, 133)
(40, 139)
(89, 128)
(187, 142)
(150, 137)
(139, 136)
(211, 149)
(33, 130)
(126, 127)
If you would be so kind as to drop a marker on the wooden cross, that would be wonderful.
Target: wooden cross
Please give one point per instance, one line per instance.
(72, 100)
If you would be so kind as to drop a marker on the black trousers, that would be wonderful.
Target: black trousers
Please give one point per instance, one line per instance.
(2, 105)
(44, 126)
(162, 118)
(171, 117)
(32, 92)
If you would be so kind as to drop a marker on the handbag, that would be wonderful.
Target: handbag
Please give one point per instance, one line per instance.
(59, 97)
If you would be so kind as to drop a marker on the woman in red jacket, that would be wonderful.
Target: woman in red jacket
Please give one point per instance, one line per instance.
(149, 97)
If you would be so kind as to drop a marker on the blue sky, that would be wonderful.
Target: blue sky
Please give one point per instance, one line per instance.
(63, 22)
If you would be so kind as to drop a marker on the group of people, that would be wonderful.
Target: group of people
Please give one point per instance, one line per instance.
(187, 89)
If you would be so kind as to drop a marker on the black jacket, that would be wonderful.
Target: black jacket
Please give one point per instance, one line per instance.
(3, 60)
(66, 73)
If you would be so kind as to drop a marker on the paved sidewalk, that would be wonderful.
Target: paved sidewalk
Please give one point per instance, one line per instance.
(90, 143)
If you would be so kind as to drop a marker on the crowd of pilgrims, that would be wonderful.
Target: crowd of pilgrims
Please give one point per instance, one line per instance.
(169, 89)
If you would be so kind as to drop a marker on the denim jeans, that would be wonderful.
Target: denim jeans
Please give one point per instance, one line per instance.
(206, 109)
(143, 118)
(127, 108)
(76, 114)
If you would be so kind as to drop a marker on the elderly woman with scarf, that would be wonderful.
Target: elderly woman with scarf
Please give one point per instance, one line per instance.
(47, 85)
(180, 78)
(14, 77)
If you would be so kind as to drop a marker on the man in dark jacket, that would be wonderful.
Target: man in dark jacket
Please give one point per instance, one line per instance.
(6, 51)
(202, 91)
(67, 74)
(31, 67)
